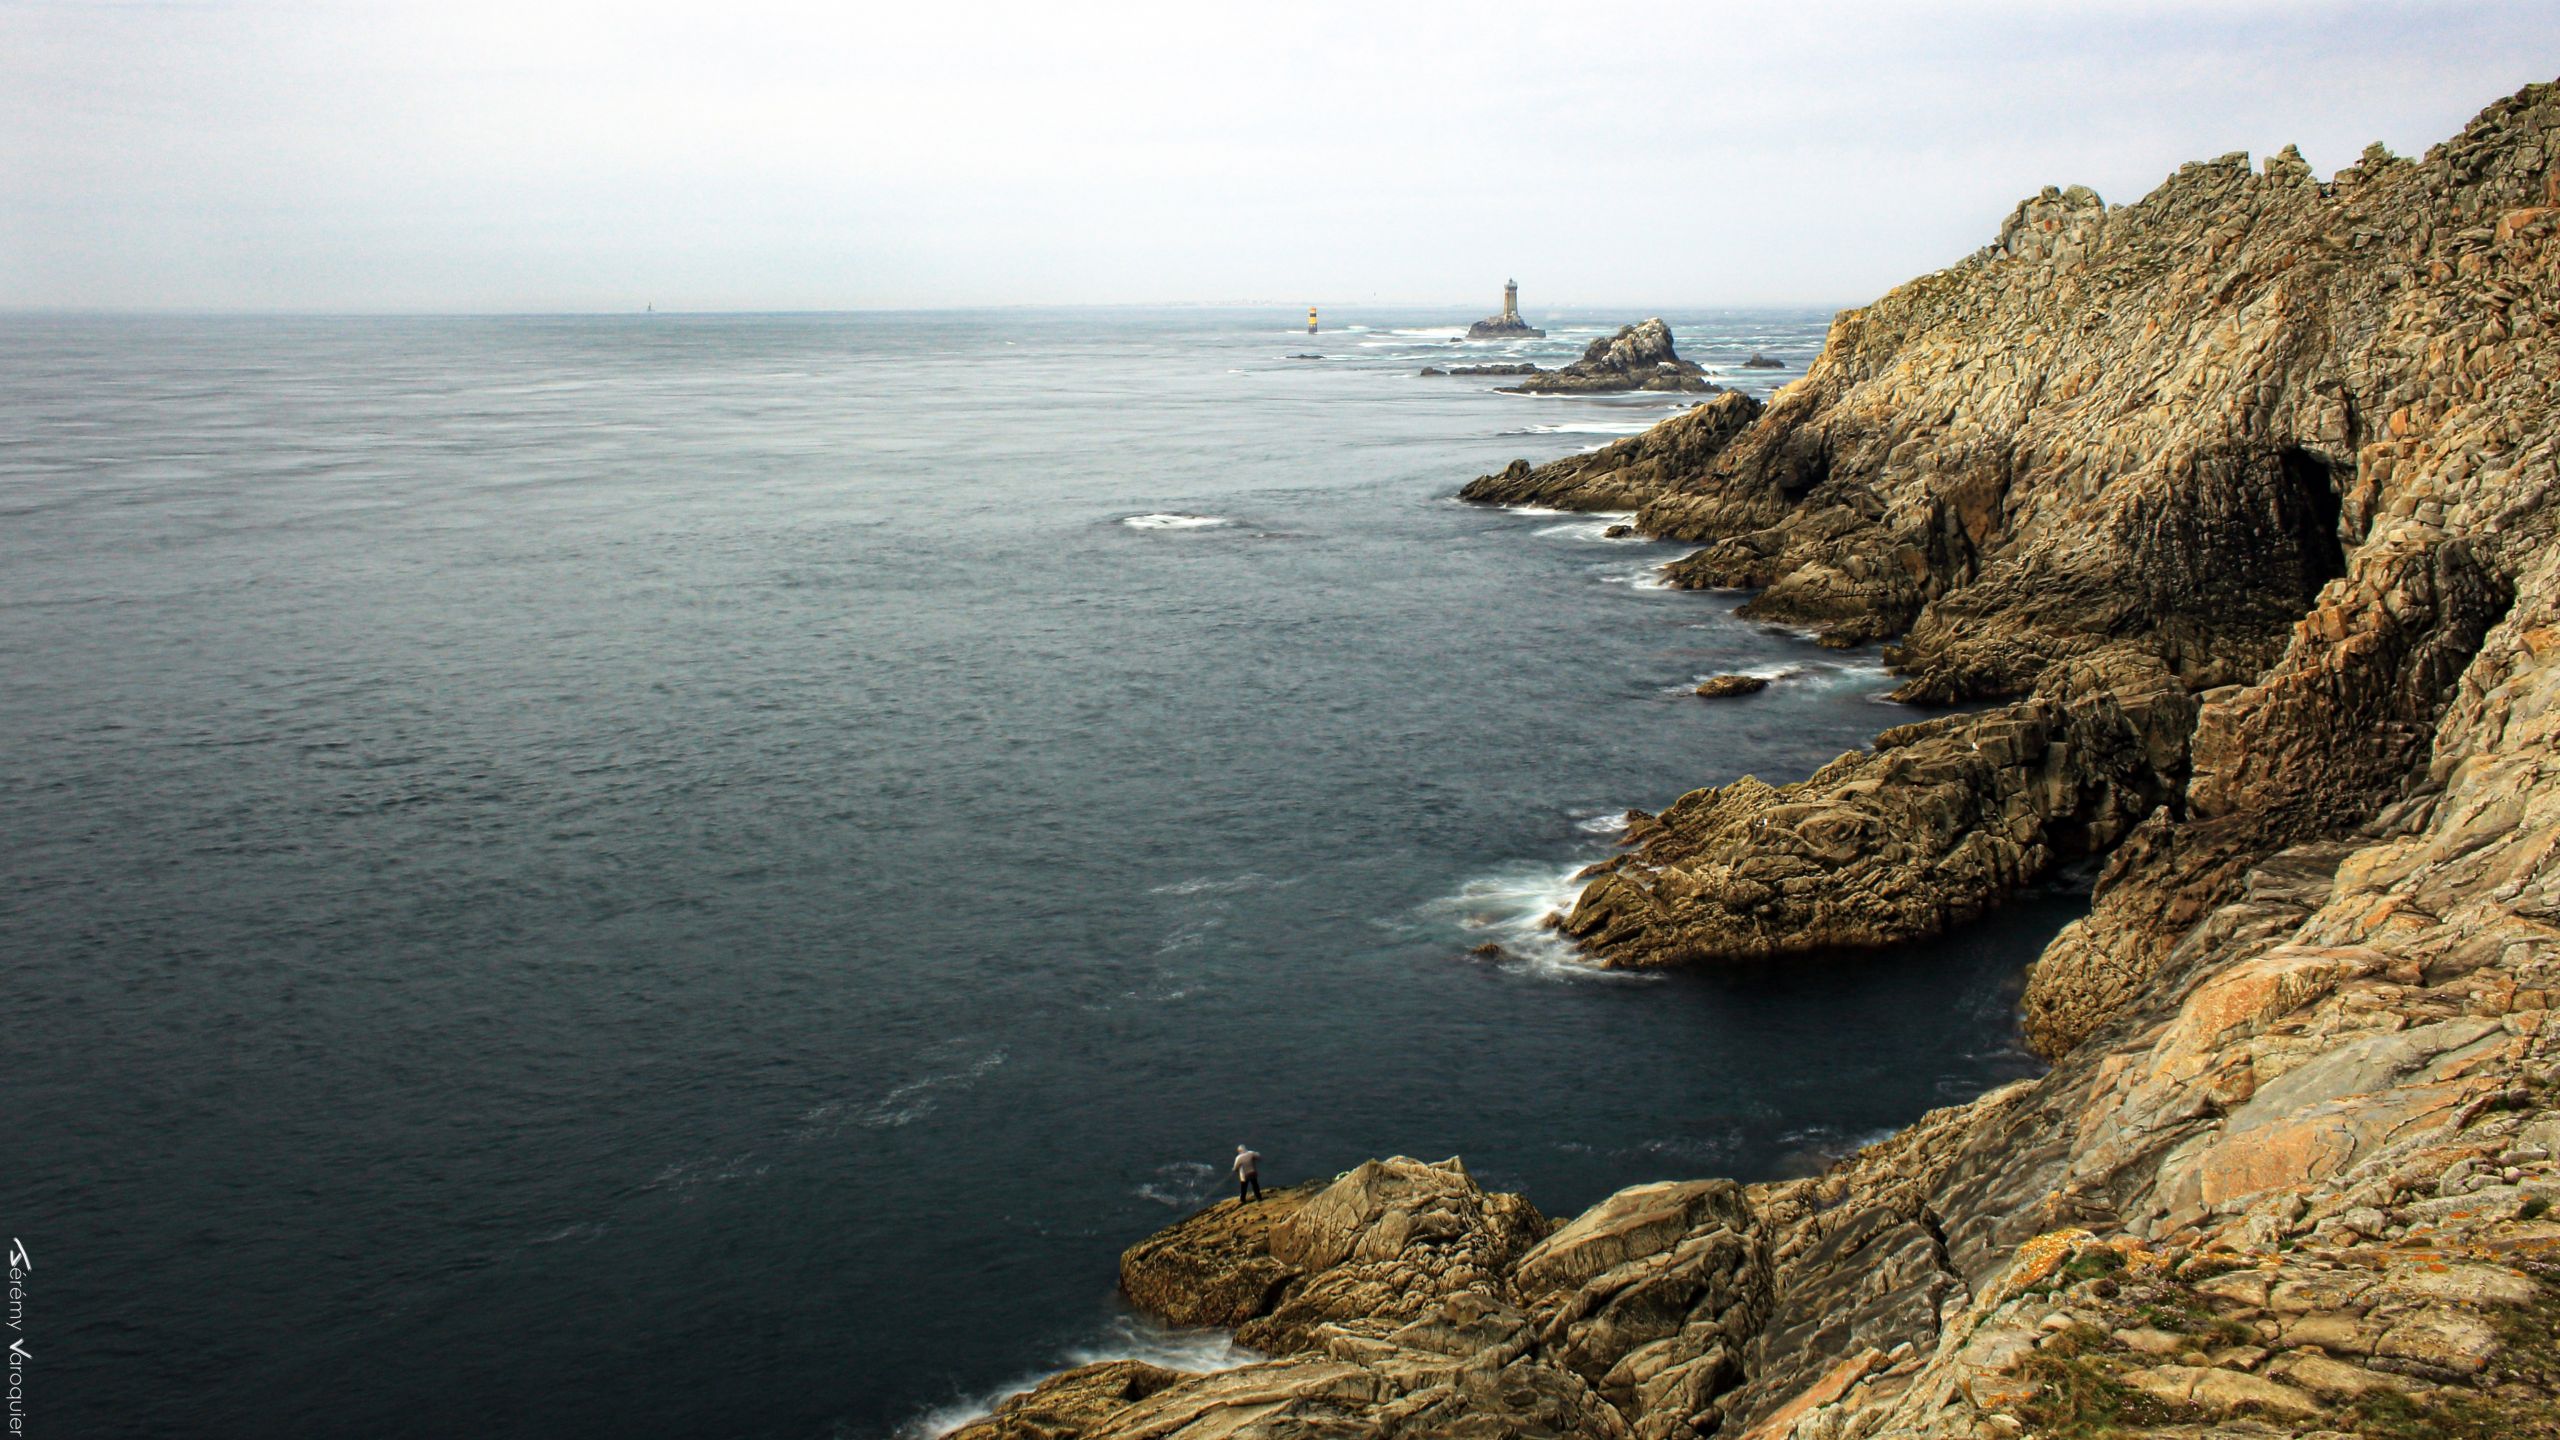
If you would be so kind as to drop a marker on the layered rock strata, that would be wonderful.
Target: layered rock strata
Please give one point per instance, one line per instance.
(1638, 357)
(1623, 474)
(2237, 503)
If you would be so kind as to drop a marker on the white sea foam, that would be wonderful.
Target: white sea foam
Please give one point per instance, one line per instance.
(1595, 529)
(1173, 520)
(583, 1230)
(1588, 427)
(1218, 885)
(1609, 822)
(1127, 1337)
(1184, 1184)
(904, 1103)
(1517, 907)
(1649, 577)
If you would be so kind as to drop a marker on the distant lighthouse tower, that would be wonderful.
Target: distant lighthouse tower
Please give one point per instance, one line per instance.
(1311, 319)
(1508, 325)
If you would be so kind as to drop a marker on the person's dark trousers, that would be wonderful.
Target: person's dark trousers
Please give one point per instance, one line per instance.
(1249, 1183)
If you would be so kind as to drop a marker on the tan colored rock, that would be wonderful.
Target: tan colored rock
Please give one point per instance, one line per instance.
(1624, 473)
(1724, 687)
(1068, 1406)
(2336, 1379)
(2237, 500)
(2222, 1391)
(1215, 1268)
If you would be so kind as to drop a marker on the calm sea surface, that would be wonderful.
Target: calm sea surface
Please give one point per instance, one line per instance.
(705, 875)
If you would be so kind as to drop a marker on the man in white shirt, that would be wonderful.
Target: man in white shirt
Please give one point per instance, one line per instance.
(1248, 1175)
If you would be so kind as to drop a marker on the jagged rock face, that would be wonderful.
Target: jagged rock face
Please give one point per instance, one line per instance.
(1638, 357)
(2290, 440)
(1931, 828)
(2293, 1171)
(1388, 1238)
(1072, 1404)
(1625, 473)
(1652, 1296)
(1215, 1268)
(1380, 1242)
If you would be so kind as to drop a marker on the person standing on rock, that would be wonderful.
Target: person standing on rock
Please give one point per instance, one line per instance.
(1248, 1175)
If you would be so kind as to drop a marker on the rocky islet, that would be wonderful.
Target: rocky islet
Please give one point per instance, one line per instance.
(2232, 508)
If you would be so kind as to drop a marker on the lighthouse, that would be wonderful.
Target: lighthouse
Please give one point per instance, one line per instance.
(1507, 325)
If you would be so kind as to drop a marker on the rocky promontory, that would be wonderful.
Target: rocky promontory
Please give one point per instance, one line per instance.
(1638, 357)
(2234, 510)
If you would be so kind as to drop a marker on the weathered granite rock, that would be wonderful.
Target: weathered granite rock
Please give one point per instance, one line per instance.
(1759, 361)
(1931, 828)
(2241, 498)
(1076, 1403)
(1215, 1268)
(1624, 473)
(1386, 1239)
(1379, 1242)
(1719, 687)
(1638, 357)
(1652, 1296)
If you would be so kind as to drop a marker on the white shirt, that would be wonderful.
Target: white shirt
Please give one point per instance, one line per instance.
(1248, 1162)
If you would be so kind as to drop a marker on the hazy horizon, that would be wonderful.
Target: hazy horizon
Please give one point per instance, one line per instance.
(278, 157)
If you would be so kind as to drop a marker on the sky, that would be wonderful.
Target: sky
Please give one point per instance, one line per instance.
(525, 155)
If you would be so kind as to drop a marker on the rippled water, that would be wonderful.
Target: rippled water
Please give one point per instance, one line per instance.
(705, 875)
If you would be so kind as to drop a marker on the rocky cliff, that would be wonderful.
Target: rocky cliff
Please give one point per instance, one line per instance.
(2234, 506)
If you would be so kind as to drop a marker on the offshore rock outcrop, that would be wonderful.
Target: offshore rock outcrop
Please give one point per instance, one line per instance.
(1638, 357)
(1623, 474)
(2238, 502)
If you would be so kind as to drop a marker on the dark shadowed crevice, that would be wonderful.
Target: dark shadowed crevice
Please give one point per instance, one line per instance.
(2313, 497)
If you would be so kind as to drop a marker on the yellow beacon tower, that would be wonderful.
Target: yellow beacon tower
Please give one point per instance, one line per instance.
(1311, 319)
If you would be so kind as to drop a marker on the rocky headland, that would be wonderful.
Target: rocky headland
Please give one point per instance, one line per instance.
(2232, 511)
(1638, 357)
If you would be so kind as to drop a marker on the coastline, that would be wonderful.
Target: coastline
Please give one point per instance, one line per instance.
(2232, 504)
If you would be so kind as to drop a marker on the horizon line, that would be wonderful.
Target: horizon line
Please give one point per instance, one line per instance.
(326, 312)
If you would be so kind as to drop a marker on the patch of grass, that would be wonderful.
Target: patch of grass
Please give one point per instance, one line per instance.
(2451, 1415)
(2529, 1337)
(2091, 1264)
(2231, 1332)
(2079, 1399)
(2179, 1313)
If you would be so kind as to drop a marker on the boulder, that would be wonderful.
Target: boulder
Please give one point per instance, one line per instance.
(1638, 357)
(1722, 686)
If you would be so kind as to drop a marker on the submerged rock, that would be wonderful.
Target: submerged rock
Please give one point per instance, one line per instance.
(1638, 357)
(1723, 686)
(1759, 361)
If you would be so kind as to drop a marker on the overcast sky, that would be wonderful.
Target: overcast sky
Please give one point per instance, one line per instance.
(748, 154)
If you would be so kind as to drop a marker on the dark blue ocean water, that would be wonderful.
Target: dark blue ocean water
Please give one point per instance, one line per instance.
(700, 875)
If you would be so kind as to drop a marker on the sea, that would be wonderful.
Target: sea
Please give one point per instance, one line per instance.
(705, 875)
